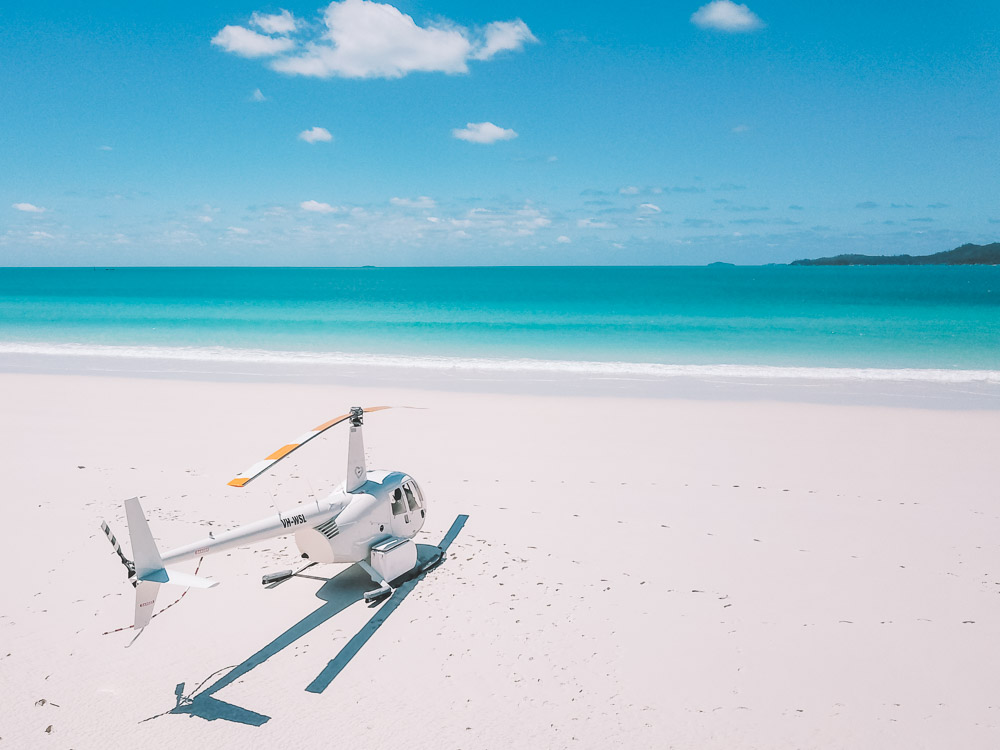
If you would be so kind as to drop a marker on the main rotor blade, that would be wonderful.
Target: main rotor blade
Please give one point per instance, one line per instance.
(244, 478)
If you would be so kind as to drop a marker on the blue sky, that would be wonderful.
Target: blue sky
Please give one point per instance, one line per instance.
(428, 133)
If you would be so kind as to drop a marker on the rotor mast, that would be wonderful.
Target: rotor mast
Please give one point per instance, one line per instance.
(356, 470)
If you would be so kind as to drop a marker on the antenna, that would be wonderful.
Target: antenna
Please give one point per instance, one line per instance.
(272, 501)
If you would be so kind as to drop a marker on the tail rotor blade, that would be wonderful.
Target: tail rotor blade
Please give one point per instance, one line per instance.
(129, 566)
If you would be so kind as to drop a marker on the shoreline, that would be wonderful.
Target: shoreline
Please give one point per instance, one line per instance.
(900, 387)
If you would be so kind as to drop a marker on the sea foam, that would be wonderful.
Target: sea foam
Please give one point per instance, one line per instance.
(486, 365)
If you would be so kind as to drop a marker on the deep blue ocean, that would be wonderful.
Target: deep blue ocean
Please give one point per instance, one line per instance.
(867, 317)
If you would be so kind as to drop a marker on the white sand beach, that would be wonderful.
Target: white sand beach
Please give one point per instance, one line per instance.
(637, 572)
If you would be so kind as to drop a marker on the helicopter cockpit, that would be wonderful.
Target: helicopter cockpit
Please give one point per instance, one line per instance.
(408, 508)
(407, 499)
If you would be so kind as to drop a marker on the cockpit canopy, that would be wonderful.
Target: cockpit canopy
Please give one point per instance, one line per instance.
(407, 498)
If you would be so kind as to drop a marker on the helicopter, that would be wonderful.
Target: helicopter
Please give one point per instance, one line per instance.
(370, 519)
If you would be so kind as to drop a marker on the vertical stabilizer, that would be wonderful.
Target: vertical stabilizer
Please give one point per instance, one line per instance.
(148, 563)
(356, 471)
(145, 602)
(147, 557)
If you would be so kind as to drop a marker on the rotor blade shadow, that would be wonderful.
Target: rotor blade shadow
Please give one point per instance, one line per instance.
(349, 651)
(338, 593)
(210, 709)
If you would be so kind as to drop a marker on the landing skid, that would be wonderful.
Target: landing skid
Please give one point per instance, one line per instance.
(270, 580)
(376, 595)
(383, 591)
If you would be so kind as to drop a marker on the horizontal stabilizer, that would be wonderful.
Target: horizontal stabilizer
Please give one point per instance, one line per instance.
(148, 568)
(189, 580)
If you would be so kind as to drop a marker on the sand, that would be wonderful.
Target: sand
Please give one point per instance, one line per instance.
(638, 572)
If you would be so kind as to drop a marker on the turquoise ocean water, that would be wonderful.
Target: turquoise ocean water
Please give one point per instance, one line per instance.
(942, 318)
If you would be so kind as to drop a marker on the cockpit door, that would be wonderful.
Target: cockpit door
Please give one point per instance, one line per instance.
(407, 510)
(401, 519)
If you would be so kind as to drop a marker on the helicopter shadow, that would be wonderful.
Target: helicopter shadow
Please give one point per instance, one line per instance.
(338, 593)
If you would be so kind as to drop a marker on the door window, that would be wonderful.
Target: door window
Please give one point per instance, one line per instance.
(410, 497)
(398, 504)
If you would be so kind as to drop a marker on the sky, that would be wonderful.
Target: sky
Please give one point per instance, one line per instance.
(507, 133)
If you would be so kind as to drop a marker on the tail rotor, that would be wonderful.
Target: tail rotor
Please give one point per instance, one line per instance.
(129, 565)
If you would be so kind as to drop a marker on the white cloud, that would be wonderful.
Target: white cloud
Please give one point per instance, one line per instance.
(725, 15)
(629, 190)
(38, 235)
(594, 224)
(365, 39)
(104, 148)
(501, 36)
(649, 208)
(239, 230)
(181, 237)
(528, 219)
(741, 128)
(28, 207)
(204, 219)
(248, 43)
(374, 40)
(317, 207)
(562, 239)
(277, 23)
(258, 96)
(315, 135)
(422, 202)
(483, 132)
(504, 222)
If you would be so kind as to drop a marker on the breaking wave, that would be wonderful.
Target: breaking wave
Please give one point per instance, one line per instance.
(485, 365)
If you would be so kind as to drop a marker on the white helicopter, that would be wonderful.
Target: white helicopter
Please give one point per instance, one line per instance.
(370, 520)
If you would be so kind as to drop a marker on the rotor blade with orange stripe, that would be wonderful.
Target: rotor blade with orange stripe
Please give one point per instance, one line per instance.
(244, 478)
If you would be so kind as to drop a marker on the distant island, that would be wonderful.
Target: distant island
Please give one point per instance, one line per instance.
(966, 255)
